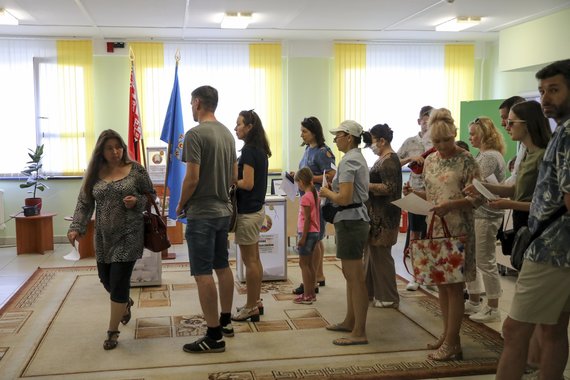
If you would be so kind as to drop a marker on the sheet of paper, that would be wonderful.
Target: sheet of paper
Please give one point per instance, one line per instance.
(483, 190)
(324, 184)
(289, 186)
(74, 254)
(492, 179)
(414, 204)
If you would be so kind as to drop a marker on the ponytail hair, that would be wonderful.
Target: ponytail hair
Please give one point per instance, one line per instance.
(306, 176)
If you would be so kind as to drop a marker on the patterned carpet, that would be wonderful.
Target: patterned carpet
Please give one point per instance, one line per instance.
(55, 326)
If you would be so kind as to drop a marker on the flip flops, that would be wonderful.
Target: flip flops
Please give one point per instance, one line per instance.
(338, 327)
(348, 342)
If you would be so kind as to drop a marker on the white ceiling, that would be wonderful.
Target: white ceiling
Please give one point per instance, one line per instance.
(380, 20)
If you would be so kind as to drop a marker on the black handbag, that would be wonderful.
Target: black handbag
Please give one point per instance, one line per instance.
(521, 241)
(524, 238)
(329, 210)
(155, 234)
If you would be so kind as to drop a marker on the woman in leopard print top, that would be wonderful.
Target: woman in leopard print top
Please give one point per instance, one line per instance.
(114, 187)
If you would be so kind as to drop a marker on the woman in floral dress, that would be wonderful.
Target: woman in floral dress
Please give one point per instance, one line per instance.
(446, 173)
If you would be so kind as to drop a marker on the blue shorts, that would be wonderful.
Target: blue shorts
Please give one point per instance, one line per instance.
(310, 242)
(207, 241)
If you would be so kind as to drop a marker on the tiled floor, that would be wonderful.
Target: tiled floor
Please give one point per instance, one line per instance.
(16, 269)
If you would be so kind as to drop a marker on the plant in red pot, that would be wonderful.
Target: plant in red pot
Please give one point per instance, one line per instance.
(34, 178)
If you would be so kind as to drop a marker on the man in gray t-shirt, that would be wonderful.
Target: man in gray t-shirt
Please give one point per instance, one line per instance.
(211, 168)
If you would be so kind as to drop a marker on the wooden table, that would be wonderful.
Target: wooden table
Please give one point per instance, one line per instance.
(34, 234)
(87, 241)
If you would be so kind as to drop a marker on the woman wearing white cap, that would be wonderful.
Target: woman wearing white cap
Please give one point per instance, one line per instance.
(351, 222)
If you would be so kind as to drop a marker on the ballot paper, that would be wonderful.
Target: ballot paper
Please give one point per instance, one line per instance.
(289, 186)
(484, 191)
(414, 204)
(325, 184)
(492, 179)
(74, 254)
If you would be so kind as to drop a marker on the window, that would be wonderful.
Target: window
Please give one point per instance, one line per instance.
(48, 93)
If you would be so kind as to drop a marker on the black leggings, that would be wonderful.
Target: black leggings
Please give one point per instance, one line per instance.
(116, 278)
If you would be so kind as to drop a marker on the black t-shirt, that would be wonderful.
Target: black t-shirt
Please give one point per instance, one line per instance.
(253, 200)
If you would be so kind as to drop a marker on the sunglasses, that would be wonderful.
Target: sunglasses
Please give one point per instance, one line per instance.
(510, 122)
(338, 137)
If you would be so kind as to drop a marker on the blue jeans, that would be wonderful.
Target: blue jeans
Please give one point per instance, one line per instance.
(310, 242)
(207, 241)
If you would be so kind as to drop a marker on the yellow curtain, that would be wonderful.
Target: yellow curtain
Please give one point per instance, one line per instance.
(349, 84)
(75, 124)
(267, 73)
(149, 65)
(460, 77)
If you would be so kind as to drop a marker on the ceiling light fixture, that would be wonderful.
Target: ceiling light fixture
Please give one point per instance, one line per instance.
(6, 18)
(458, 24)
(236, 20)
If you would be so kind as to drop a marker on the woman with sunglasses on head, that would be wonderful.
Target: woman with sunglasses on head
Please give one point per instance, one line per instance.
(349, 190)
(484, 136)
(446, 173)
(251, 188)
(320, 159)
(527, 125)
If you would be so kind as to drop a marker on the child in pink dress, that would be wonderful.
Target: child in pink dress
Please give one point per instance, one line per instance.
(308, 227)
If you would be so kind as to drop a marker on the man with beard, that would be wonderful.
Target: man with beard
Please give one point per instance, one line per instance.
(542, 295)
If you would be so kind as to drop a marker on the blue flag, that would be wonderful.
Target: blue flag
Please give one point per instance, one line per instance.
(173, 135)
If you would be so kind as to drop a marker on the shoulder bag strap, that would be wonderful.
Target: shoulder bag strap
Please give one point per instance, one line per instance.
(150, 201)
(543, 226)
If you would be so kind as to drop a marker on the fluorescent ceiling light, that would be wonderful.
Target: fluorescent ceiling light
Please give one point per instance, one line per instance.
(236, 20)
(6, 18)
(458, 24)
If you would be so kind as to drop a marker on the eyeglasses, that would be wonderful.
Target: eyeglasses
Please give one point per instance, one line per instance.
(510, 122)
(442, 140)
(338, 137)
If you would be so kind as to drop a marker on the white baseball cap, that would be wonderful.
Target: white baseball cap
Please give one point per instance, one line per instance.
(349, 126)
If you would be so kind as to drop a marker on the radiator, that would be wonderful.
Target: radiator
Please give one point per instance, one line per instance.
(2, 220)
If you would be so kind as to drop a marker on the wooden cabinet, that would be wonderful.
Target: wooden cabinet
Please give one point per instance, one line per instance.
(175, 232)
(87, 241)
(34, 234)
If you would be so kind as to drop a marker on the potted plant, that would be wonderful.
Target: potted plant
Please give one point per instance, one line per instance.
(34, 179)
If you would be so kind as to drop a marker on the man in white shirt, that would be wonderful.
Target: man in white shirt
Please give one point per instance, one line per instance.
(411, 150)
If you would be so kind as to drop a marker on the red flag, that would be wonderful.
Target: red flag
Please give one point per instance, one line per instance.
(135, 127)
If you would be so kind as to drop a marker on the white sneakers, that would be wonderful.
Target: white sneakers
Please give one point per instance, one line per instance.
(412, 286)
(486, 315)
(384, 304)
(472, 308)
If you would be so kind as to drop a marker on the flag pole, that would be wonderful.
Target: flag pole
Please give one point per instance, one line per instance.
(165, 254)
(169, 149)
(139, 149)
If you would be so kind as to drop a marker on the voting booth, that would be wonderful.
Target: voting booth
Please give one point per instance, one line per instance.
(272, 241)
(147, 270)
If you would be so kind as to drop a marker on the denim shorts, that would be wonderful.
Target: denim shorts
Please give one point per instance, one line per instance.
(207, 241)
(310, 242)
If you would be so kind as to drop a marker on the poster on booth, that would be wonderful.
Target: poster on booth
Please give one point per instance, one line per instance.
(147, 270)
(272, 249)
